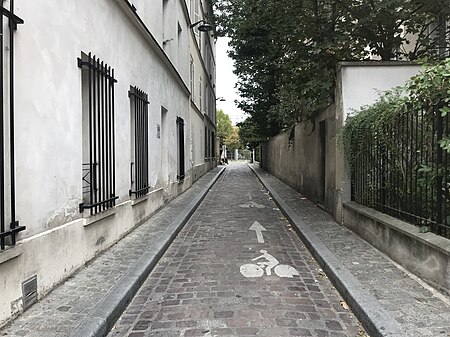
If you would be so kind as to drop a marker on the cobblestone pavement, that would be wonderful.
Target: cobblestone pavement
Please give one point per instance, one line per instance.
(421, 310)
(58, 314)
(198, 288)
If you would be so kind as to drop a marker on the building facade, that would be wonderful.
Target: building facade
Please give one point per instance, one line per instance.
(101, 126)
(202, 69)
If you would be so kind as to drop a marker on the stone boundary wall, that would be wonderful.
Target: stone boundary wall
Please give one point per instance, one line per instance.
(426, 255)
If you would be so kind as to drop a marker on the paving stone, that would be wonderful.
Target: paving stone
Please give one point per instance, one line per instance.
(70, 303)
(406, 298)
(199, 276)
(207, 295)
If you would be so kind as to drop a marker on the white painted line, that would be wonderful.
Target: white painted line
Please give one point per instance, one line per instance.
(258, 228)
(252, 204)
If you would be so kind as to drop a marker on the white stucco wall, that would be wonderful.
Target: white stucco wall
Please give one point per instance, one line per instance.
(197, 137)
(206, 77)
(359, 84)
(362, 82)
(49, 129)
(48, 108)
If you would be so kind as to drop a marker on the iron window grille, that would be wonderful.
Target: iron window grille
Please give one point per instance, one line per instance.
(139, 127)
(180, 133)
(209, 144)
(98, 133)
(206, 143)
(213, 145)
(8, 236)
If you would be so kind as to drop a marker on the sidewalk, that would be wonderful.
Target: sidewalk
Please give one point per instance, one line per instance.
(387, 299)
(89, 302)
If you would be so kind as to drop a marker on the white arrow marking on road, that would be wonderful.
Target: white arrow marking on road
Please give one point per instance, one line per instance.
(258, 229)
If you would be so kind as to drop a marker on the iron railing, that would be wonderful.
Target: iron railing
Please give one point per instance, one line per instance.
(99, 172)
(180, 133)
(403, 171)
(139, 168)
(8, 236)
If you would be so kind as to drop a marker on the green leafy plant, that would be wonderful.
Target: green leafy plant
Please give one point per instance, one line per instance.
(392, 146)
(286, 51)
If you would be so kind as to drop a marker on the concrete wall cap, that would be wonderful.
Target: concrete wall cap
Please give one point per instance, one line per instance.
(438, 242)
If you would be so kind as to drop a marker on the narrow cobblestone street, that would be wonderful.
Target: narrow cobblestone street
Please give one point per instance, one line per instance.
(209, 282)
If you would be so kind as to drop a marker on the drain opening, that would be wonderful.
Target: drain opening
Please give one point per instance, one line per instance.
(29, 292)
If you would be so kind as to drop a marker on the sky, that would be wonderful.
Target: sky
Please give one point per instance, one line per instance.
(225, 82)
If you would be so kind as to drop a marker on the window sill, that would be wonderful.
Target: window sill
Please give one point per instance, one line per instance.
(139, 200)
(11, 253)
(145, 197)
(91, 219)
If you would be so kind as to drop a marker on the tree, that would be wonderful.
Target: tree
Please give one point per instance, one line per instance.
(387, 26)
(286, 51)
(248, 134)
(232, 141)
(223, 126)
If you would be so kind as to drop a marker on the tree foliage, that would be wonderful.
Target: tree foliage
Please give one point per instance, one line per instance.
(232, 141)
(286, 51)
(399, 147)
(248, 134)
(223, 126)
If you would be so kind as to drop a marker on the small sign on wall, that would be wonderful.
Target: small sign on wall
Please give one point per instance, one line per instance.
(158, 131)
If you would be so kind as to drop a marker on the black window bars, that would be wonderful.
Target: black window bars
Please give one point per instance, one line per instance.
(139, 125)
(206, 143)
(180, 132)
(99, 172)
(213, 145)
(8, 236)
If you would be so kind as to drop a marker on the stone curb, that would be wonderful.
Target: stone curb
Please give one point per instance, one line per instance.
(103, 316)
(377, 321)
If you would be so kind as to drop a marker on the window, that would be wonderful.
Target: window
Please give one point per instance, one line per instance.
(164, 22)
(180, 136)
(98, 135)
(200, 101)
(196, 19)
(206, 143)
(206, 98)
(7, 155)
(191, 71)
(213, 145)
(209, 144)
(139, 142)
(200, 43)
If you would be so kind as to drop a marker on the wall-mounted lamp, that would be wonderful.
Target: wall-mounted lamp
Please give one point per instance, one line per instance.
(204, 27)
(220, 99)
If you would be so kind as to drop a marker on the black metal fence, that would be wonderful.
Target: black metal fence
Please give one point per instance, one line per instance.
(180, 136)
(7, 235)
(139, 178)
(99, 172)
(402, 170)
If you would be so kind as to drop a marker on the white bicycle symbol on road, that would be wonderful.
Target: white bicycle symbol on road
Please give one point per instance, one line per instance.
(258, 269)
